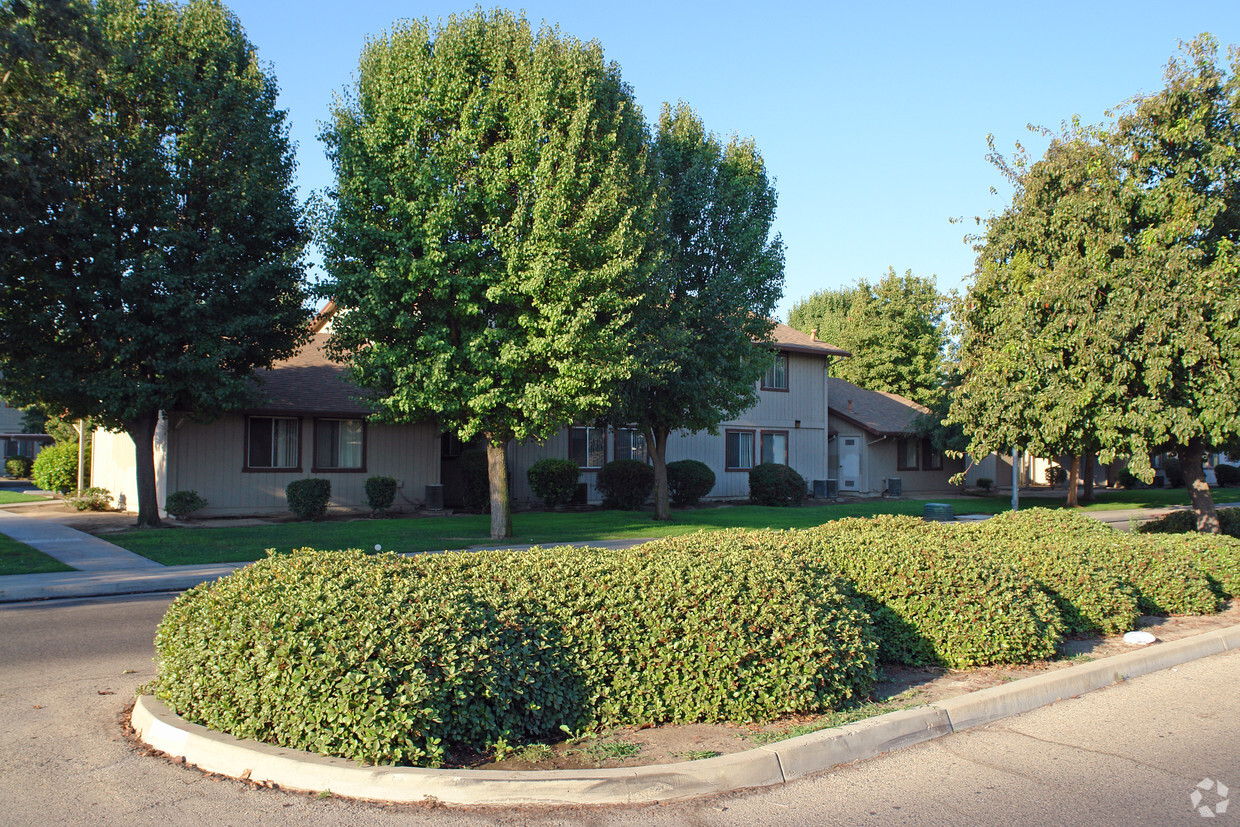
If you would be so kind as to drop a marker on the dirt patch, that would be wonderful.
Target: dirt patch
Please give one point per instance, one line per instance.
(901, 687)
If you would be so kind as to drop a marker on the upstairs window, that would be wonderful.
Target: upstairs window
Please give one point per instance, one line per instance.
(776, 378)
(272, 442)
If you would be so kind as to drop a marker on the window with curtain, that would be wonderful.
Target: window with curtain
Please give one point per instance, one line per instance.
(739, 450)
(587, 446)
(776, 378)
(907, 450)
(272, 442)
(339, 444)
(775, 447)
(630, 444)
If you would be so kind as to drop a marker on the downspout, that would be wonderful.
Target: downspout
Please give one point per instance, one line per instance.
(826, 416)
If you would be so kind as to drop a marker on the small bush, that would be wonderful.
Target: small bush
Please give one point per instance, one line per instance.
(385, 659)
(773, 484)
(308, 498)
(934, 599)
(985, 483)
(625, 484)
(1127, 480)
(55, 468)
(183, 503)
(1226, 475)
(1181, 522)
(1056, 475)
(688, 481)
(1173, 473)
(554, 481)
(380, 493)
(475, 480)
(91, 499)
(19, 466)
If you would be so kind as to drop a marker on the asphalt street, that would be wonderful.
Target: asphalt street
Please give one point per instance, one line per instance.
(1130, 754)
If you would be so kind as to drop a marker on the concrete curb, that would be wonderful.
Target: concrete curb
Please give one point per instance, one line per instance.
(765, 766)
(20, 588)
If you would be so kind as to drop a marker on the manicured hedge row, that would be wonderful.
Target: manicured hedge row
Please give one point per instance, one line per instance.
(934, 600)
(1182, 522)
(391, 660)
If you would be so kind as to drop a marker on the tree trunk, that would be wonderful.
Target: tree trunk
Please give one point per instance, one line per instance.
(142, 431)
(1198, 489)
(1074, 479)
(1087, 476)
(657, 443)
(501, 501)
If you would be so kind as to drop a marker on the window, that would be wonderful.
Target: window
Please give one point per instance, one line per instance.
(775, 447)
(339, 445)
(931, 460)
(630, 444)
(739, 450)
(587, 446)
(272, 442)
(906, 453)
(776, 378)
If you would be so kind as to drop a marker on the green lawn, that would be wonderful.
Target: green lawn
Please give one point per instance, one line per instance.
(8, 497)
(19, 558)
(188, 546)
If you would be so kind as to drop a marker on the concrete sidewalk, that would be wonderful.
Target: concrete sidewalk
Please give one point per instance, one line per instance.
(105, 569)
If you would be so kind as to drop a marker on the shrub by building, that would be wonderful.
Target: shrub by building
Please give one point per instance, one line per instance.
(774, 484)
(625, 484)
(308, 498)
(688, 481)
(554, 481)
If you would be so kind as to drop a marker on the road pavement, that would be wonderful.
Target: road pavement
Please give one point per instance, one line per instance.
(1129, 754)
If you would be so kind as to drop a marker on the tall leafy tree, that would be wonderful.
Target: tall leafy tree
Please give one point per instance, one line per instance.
(150, 240)
(1106, 307)
(488, 236)
(704, 326)
(895, 330)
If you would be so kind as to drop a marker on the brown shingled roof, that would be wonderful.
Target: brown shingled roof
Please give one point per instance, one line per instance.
(786, 338)
(882, 414)
(309, 383)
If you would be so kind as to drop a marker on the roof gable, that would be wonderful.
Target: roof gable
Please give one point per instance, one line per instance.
(880, 413)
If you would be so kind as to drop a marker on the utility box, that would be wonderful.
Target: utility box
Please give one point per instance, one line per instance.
(895, 486)
(826, 489)
(938, 513)
(434, 498)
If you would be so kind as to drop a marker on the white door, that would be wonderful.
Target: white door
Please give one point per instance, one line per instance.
(850, 463)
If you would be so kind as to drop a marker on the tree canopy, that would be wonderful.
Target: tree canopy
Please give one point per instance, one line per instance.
(895, 330)
(704, 323)
(150, 239)
(488, 237)
(1105, 310)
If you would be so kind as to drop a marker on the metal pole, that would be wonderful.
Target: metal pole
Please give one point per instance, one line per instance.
(81, 429)
(1015, 480)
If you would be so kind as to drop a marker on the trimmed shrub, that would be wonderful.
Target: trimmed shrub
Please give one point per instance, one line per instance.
(386, 660)
(933, 598)
(985, 483)
(773, 484)
(475, 482)
(1226, 475)
(1058, 554)
(1164, 579)
(1218, 558)
(181, 504)
(380, 493)
(19, 466)
(55, 468)
(688, 481)
(1181, 522)
(1173, 473)
(1056, 475)
(308, 498)
(625, 484)
(91, 499)
(1127, 480)
(554, 481)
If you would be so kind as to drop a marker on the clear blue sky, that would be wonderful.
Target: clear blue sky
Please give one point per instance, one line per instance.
(872, 117)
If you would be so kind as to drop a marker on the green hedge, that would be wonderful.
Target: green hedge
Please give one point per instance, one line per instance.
(56, 466)
(772, 483)
(1056, 549)
(391, 660)
(380, 493)
(933, 598)
(1181, 522)
(625, 484)
(554, 481)
(688, 481)
(1165, 580)
(308, 498)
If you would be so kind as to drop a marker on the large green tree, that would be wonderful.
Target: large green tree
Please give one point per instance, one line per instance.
(894, 329)
(489, 232)
(150, 240)
(705, 325)
(1105, 312)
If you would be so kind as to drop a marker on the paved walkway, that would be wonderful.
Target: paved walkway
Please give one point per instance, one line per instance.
(107, 569)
